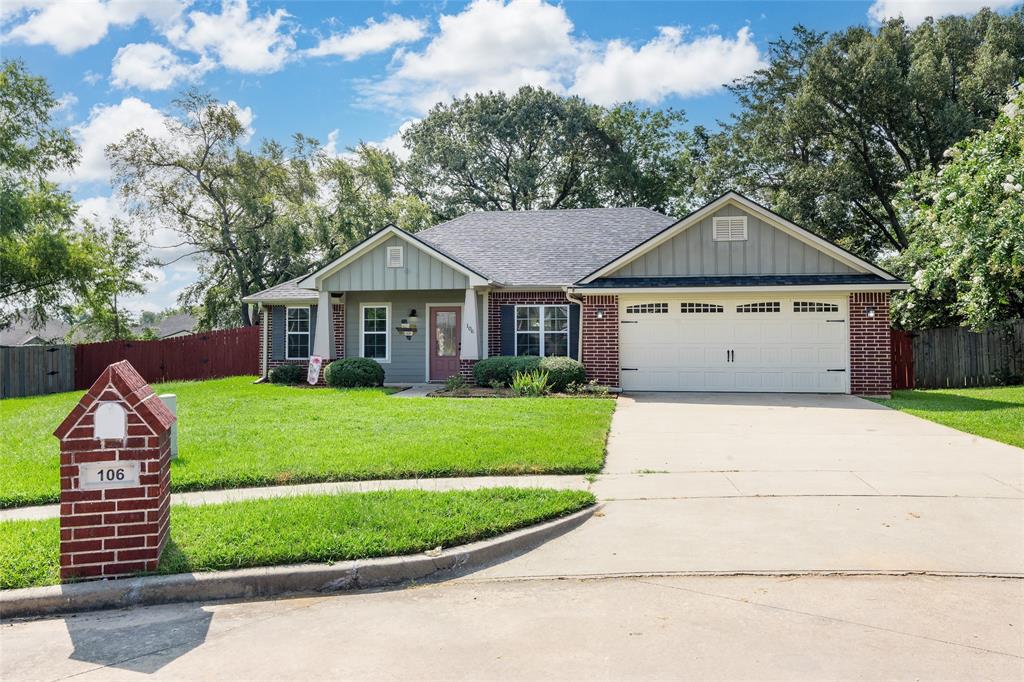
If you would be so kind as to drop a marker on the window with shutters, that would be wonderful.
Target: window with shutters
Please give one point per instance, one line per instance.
(729, 229)
(297, 334)
(686, 308)
(764, 307)
(646, 308)
(374, 340)
(396, 256)
(814, 307)
(542, 330)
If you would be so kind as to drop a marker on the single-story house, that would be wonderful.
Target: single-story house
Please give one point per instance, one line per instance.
(733, 297)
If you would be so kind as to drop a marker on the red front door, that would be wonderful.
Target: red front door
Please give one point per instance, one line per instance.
(445, 336)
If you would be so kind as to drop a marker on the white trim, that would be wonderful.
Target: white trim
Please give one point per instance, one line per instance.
(387, 331)
(426, 351)
(287, 333)
(282, 301)
(701, 290)
(314, 280)
(733, 198)
(485, 326)
(541, 332)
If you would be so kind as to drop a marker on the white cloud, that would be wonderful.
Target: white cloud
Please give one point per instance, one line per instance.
(150, 66)
(501, 45)
(667, 65)
(393, 143)
(109, 123)
(372, 38)
(245, 117)
(916, 11)
(490, 45)
(71, 25)
(257, 44)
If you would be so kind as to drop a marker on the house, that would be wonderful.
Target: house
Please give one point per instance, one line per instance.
(733, 297)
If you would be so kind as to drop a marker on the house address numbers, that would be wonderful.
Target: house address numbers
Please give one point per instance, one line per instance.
(95, 475)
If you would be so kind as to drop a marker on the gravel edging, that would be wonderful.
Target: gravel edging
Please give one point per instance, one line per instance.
(271, 581)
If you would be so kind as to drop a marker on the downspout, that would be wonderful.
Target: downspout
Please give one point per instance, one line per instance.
(265, 345)
(579, 341)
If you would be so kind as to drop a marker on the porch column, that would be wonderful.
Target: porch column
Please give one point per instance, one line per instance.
(322, 340)
(470, 328)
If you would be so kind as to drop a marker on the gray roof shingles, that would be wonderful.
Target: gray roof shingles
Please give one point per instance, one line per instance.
(286, 291)
(735, 281)
(543, 248)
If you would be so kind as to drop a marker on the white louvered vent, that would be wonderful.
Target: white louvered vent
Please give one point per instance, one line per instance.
(732, 229)
(396, 256)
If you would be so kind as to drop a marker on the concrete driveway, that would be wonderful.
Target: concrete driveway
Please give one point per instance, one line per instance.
(766, 483)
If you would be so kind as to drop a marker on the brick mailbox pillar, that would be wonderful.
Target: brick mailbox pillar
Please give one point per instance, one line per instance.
(114, 478)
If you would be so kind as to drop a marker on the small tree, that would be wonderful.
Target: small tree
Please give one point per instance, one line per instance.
(966, 225)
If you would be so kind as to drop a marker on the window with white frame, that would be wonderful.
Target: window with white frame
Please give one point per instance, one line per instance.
(542, 330)
(297, 334)
(375, 342)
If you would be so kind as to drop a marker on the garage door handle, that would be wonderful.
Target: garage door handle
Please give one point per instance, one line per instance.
(629, 321)
(835, 370)
(628, 369)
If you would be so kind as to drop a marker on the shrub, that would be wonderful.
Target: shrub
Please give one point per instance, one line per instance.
(455, 383)
(288, 374)
(531, 384)
(563, 371)
(591, 388)
(354, 372)
(502, 368)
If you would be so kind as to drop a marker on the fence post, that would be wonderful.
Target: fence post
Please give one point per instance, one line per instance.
(114, 478)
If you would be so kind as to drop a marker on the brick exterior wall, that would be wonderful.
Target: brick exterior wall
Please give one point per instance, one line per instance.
(870, 345)
(337, 329)
(500, 298)
(466, 369)
(114, 532)
(601, 339)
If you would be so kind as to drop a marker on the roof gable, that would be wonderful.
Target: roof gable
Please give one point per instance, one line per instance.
(673, 252)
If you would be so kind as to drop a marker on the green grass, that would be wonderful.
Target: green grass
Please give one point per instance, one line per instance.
(313, 528)
(233, 434)
(996, 413)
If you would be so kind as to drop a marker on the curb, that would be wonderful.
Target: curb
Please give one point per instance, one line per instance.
(271, 581)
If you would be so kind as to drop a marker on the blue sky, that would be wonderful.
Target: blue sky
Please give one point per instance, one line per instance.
(345, 72)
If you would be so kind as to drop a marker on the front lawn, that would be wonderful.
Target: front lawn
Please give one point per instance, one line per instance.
(996, 413)
(233, 433)
(310, 528)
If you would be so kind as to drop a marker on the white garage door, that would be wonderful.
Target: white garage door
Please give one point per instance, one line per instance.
(726, 343)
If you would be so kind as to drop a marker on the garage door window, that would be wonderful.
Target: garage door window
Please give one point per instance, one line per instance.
(542, 330)
(692, 308)
(814, 307)
(646, 308)
(763, 307)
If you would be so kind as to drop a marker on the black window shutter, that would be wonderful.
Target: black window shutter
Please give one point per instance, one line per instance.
(277, 324)
(574, 331)
(508, 330)
(312, 327)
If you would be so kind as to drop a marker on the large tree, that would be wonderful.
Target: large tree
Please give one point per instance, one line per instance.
(832, 125)
(44, 260)
(535, 149)
(966, 226)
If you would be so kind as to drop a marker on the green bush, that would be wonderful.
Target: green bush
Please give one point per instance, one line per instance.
(531, 384)
(502, 368)
(288, 374)
(563, 371)
(354, 372)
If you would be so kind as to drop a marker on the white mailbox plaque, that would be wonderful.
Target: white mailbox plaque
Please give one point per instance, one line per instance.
(95, 475)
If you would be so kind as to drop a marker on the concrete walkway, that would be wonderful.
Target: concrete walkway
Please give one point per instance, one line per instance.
(417, 391)
(235, 494)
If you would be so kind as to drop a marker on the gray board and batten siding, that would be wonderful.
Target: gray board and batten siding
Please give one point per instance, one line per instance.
(766, 251)
(421, 270)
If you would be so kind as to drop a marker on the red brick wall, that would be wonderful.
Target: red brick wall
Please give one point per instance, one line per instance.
(466, 369)
(601, 339)
(870, 344)
(500, 298)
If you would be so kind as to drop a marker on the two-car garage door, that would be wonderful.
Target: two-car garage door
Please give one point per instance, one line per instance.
(734, 343)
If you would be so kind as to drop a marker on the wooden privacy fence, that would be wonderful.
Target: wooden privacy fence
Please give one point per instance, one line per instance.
(35, 370)
(957, 357)
(209, 355)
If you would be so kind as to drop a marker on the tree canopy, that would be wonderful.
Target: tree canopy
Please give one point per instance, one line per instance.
(833, 124)
(966, 226)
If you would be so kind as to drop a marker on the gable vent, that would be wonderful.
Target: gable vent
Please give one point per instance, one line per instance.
(396, 257)
(732, 229)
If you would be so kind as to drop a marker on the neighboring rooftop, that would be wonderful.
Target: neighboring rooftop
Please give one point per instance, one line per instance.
(551, 247)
